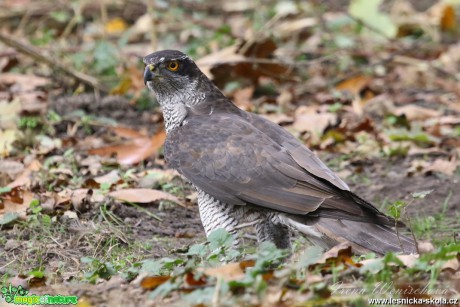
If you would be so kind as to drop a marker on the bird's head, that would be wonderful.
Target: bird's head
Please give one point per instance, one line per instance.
(173, 76)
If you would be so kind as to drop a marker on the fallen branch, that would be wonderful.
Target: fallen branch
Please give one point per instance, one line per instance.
(35, 54)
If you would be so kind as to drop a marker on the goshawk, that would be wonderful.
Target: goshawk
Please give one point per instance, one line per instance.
(248, 169)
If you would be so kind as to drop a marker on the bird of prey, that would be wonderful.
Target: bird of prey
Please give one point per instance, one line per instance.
(248, 169)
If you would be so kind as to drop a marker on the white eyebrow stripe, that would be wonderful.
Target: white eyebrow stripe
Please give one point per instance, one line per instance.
(162, 60)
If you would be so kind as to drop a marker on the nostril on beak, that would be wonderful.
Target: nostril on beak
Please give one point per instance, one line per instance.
(148, 74)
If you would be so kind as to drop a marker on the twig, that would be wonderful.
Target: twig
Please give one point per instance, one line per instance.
(104, 18)
(74, 20)
(35, 54)
(244, 225)
(413, 236)
(215, 297)
(253, 60)
(2, 267)
(153, 31)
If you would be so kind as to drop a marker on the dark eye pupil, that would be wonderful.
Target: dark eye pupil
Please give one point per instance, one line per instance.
(173, 65)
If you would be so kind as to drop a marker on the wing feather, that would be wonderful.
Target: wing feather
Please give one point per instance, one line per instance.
(240, 164)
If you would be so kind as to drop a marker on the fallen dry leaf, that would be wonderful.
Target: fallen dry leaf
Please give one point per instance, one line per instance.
(307, 119)
(191, 280)
(11, 168)
(354, 85)
(143, 196)
(24, 83)
(339, 254)
(128, 133)
(248, 60)
(443, 120)
(447, 167)
(414, 112)
(230, 272)
(135, 150)
(448, 20)
(242, 98)
(17, 203)
(24, 179)
(439, 165)
(151, 282)
(115, 26)
(295, 27)
(110, 177)
(278, 118)
(451, 265)
(9, 114)
(82, 199)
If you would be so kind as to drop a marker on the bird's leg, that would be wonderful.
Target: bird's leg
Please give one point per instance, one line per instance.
(277, 233)
(215, 214)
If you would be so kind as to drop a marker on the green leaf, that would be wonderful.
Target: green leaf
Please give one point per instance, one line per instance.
(8, 218)
(368, 12)
(37, 273)
(105, 57)
(87, 259)
(152, 266)
(5, 190)
(421, 194)
(219, 238)
(197, 249)
(311, 255)
(60, 16)
(163, 290)
(395, 209)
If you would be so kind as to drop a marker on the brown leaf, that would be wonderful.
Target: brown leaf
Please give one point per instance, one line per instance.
(443, 120)
(151, 282)
(447, 167)
(82, 199)
(26, 176)
(354, 85)
(135, 150)
(228, 272)
(10, 167)
(115, 26)
(295, 27)
(425, 247)
(251, 63)
(9, 115)
(143, 196)
(451, 265)
(25, 83)
(414, 112)
(16, 201)
(278, 118)
(242, 97)
(439, 165)
(308, 120)
(193, 282)
(110, 177)
(128, 133)
(448, 20)
(339, 254)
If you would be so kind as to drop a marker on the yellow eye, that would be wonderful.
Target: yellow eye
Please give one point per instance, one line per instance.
(173, 66)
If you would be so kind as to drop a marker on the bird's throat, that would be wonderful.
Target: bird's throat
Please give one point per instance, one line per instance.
(174, 115)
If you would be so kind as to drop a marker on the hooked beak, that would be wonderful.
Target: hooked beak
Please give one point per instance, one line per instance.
(149, 73)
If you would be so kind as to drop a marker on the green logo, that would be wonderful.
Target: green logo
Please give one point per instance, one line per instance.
(19, 296)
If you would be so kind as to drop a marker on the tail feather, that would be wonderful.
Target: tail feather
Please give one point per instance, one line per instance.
(364, 237)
